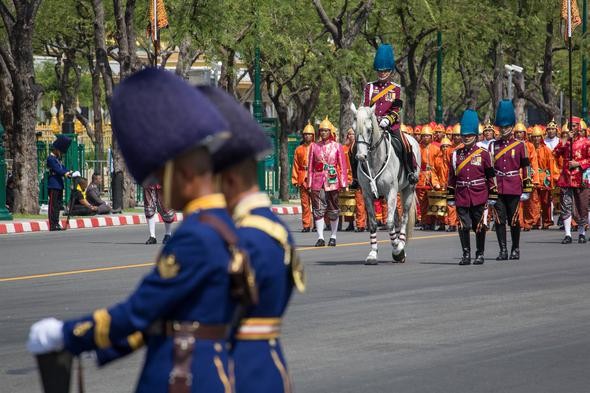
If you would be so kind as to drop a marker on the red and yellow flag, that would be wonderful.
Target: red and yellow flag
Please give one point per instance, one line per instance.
(158, 20)
(574, 14)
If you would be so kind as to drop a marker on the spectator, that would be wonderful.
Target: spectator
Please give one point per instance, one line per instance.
(79, 205)
(10, 186)
(93, 195)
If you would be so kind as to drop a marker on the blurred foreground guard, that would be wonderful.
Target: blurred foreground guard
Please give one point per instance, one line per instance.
(259, 362)
(471, 178)
(183, 308)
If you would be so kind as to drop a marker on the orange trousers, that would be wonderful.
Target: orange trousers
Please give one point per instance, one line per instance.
(305, 195)
(530, 210)
(545, 219)
(451, 217)
(360, 214)
(380, 206)
(422, 196)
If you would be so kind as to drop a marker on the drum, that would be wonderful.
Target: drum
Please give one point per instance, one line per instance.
(347, 203)
(437, 203)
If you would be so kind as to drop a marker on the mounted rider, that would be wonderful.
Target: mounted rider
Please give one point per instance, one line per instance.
(384, 96)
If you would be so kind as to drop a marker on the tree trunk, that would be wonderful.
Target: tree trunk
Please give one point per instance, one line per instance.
(6, 103)
(187, 55)
(346, 98)
(97, 114)
(26, 94)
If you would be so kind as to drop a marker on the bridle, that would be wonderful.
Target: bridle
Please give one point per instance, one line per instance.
(372, 147)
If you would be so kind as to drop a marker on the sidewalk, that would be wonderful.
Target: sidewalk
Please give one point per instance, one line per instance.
(32, 225)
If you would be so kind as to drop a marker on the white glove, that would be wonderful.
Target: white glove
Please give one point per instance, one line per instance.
(492, 202)
(46, 336)
(76, 174)
(384, 123)
(525, 196)
(451, 202)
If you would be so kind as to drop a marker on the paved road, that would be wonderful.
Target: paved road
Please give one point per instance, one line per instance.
(426, 326)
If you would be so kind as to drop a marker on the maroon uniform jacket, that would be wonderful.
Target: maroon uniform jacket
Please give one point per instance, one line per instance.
(509, 157)
(581, 148)
(384, 105)
(471, 176)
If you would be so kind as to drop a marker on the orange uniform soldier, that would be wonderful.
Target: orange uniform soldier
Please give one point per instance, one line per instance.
(299, 175)
(428, 179)
(447, 150)
(548, 175)
(529, 209)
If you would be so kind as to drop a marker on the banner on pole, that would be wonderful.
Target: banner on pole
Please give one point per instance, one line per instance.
(158, 18)
(571, 17)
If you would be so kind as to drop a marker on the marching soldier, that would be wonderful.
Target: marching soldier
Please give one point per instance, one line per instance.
(327, 174)
(385, 96)
(439, 133)
(428, 179)
(152, 204)
(360, 214)
(509, 157)
(182, 309)
(488, 135)
(471, 180)
(299, 175)
(258, 360)
(528, 209)
(551, 140)
(575, 153)
(456, 136)
(548, 175)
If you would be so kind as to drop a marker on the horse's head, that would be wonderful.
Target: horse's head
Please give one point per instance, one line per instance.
(365, 117)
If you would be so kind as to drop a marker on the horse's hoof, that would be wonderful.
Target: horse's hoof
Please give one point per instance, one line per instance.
(399, 258)
(371, 262)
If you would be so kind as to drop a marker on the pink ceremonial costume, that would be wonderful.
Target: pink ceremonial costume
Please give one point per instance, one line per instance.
(328, 172)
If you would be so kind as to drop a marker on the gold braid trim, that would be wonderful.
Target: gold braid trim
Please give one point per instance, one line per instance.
(222, 374)
(102, 328)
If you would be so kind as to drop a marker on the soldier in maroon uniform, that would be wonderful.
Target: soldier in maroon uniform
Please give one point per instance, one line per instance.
(510, 157)
(471, 179)
(385, 96)
(573, 190)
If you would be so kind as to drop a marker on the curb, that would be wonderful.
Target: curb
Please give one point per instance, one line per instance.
(106, 221)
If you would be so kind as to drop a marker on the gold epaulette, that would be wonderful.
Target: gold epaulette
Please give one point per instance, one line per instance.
(278, 232)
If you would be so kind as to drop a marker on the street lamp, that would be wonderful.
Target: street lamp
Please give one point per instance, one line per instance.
(512, 68)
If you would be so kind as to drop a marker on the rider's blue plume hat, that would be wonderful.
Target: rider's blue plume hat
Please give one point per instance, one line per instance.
(469, 123)
(505, 114)
(384, 58)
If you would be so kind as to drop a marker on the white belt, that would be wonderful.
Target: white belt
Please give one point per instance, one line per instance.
(508, 174)
(259, 329)
(475, 182)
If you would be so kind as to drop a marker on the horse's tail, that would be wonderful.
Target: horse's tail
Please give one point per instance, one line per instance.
(411, 218)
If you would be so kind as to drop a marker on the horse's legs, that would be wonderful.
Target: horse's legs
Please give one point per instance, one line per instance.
(372, 225)
(391, 212)
(399, 255)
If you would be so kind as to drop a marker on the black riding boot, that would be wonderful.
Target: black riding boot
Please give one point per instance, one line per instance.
(501, 235)
(480, 241)
(515, 235)
(465, 246)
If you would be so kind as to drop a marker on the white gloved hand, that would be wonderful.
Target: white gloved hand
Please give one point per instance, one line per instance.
(451, 202)
(384, 123)
(76, 174)
(525, 196)
(46, 336)
(492, 202)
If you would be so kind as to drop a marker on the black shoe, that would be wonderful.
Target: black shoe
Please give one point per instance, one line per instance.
(320, 243)
(349, 228)
(151, 240)
(581, 239)
(332, 242)
(515, 254)
(567, 240)
(57, 228)
(305, 230)
(165, 239)
(478, 258)
(412, 178)
(502, 255)
(451, 228)
(466, 259)
(361, 229)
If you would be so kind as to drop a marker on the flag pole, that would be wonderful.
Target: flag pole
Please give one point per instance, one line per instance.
(155, 38)
(571, 88)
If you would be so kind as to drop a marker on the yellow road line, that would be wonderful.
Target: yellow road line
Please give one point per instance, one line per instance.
(138, 265)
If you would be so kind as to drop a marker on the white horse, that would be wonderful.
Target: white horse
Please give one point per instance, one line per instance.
(380, 174)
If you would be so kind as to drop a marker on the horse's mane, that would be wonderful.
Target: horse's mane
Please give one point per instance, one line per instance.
(365, 112)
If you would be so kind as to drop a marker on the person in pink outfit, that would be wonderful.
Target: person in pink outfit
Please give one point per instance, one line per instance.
(328, 174)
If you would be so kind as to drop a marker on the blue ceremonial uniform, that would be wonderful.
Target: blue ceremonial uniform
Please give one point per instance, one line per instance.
(259, 362)
(189, 283)
(57, 171)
